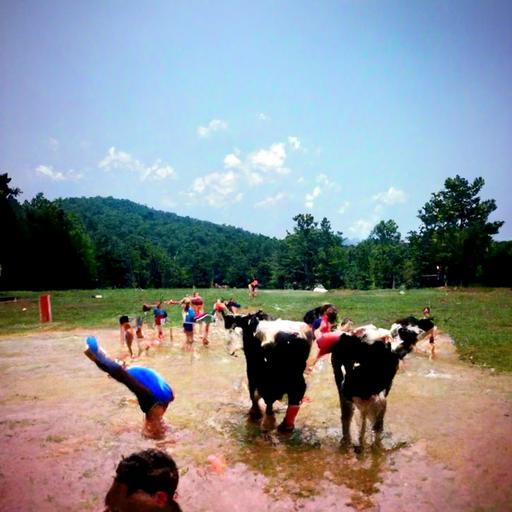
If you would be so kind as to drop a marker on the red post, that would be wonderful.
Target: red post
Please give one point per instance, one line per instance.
(45, 309)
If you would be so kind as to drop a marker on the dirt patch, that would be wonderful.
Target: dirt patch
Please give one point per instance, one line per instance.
(65, 425)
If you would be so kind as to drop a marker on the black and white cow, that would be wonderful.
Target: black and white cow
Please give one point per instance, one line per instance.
(364, 368)
(276, 354)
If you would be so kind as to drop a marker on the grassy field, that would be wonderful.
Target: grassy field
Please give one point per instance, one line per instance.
(479, 320)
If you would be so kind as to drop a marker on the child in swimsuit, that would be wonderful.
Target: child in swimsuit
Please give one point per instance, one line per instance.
(126, 333)
(152, 391)
(188, 325)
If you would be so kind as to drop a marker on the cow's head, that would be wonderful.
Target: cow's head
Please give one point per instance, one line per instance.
(241, 326)
(408, 332)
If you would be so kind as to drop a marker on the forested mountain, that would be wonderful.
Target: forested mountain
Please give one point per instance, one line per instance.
(105, 242)
(140, 246)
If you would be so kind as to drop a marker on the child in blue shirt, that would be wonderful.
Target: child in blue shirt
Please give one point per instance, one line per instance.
(189, 318)
(152, 391)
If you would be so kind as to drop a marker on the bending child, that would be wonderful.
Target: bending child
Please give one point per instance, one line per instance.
(152, 392)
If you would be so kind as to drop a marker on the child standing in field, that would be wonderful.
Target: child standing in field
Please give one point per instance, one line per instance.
(253, 288)
(126, 333)
(160, 315)
(189, 317)
(426, 314)
(127, 336)
(197, 304)
(327, 322)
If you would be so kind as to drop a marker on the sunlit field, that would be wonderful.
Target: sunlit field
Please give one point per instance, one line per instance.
(479, 320)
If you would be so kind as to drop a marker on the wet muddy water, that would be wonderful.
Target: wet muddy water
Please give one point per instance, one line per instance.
(65, 425)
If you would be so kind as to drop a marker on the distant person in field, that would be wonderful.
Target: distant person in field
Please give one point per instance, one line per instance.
(145, 481)
(189, 318)
(201, 318)
(253, 288)
(160, 316)
(233, 306)
(327, 322)
(140, 321)
(152, 391)
(126, 333)
(426, 314)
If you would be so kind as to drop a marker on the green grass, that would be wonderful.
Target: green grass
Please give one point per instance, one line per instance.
(478, 319)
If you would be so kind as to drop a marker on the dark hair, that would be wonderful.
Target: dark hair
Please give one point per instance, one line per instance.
(150, 471)
(331, 314)
(123, 319)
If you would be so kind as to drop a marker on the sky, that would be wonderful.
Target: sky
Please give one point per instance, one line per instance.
(248, 113)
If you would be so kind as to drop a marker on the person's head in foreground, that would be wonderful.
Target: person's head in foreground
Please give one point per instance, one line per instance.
(145, 481)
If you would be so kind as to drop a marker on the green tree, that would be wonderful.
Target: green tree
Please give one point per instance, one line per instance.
(330, 264)
(297, 257)
(64, 254)
(386, 255)
(497, 266)
(14, 236)
(456, 231)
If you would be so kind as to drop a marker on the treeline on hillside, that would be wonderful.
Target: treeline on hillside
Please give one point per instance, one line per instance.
(105, 242)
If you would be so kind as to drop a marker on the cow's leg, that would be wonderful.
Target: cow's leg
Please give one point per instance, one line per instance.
(378, 424)
(255, 411)
(346, 406)
(363, 407)
(269, 420)
(347, 412)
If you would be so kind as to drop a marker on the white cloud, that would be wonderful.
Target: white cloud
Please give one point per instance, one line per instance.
(324, 180)
(294, 142)
(260, 166)
(49, 172)
(271, 159)
(390, 197)
(157, 172)
(271, 200)
(217, 189)
(361, 228)
(119, 160)
(215, 125)
(310, 198)
(343, 207)
(231, 161)
(254, 178)
(263, 117)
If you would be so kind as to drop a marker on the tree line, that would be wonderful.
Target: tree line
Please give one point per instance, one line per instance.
(106, 243)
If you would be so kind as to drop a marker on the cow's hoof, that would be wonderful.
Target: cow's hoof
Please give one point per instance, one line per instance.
(255, 414)
(345, 444)
(284, 428)
(269, 422)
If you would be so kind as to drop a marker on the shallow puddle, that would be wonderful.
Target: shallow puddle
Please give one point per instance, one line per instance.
(65, 426)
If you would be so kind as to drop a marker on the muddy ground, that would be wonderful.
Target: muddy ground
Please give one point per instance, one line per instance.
(65, 425)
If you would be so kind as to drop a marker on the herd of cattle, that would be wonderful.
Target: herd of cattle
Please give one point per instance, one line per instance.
(364, 361)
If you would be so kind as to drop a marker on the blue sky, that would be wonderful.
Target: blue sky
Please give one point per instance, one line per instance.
(247, 113)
